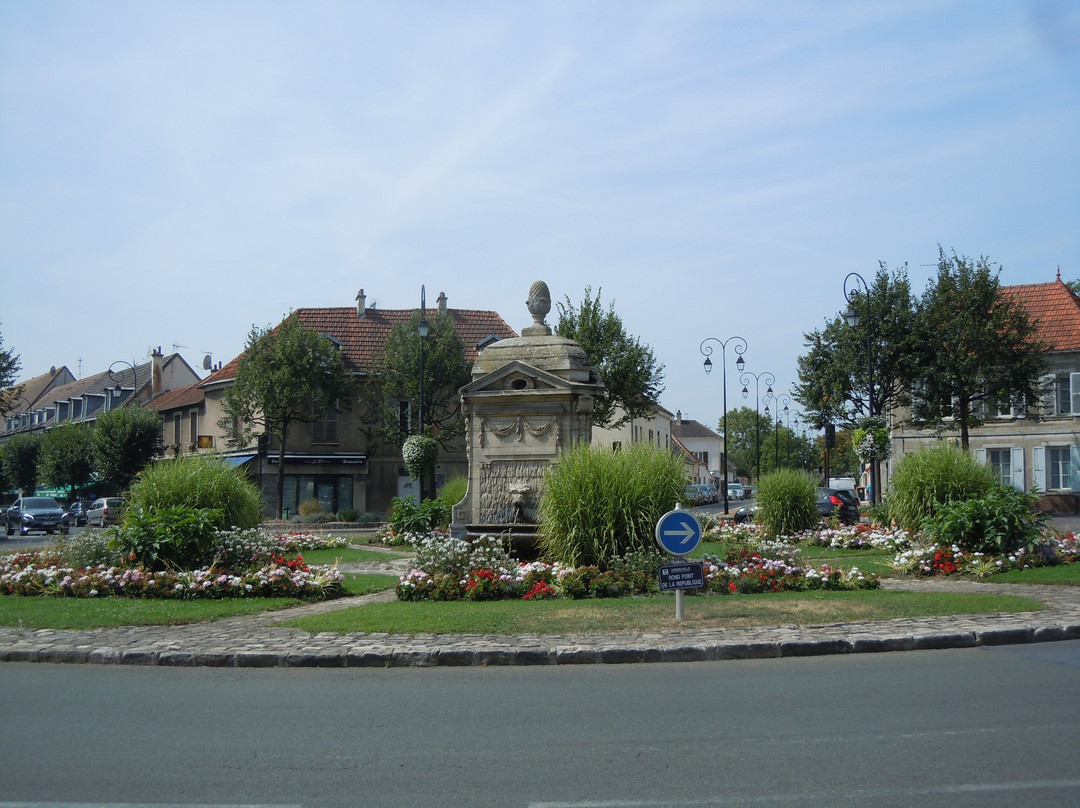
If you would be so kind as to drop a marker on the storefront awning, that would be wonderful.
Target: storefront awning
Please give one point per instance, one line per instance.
(237, 460)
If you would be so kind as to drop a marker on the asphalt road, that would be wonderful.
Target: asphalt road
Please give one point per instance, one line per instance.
(991, 726)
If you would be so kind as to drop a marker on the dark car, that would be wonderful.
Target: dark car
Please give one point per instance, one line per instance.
(77, 513)
(35, 513)
(840, 503)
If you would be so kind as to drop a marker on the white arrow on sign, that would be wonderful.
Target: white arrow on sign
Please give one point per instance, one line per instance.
(685, 530)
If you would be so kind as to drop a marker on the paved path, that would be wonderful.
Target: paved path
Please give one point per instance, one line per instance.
(260, 640)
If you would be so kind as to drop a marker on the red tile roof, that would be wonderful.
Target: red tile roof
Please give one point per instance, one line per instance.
(362, 338)
(180, 397)
(1056, 310)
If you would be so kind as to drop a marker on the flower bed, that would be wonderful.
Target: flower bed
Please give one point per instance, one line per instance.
(935, 559)
(250, 564)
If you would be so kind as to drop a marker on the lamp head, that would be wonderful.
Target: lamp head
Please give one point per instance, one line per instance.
(708, 365)
(851, 316)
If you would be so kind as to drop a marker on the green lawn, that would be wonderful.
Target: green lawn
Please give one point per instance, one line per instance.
(1064, 574)
(654, 613)
(878, 562)
(347, 555)
(85, 613)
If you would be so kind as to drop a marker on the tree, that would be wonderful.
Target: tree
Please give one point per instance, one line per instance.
(66, 459)
(125, 440)
(633, 380)
(744, 426)
(833, 375)
(287, 375)
(20, 459)
(9, 371)
(978, 351)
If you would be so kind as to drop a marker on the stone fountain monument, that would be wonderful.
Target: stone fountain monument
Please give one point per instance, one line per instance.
(530, 400)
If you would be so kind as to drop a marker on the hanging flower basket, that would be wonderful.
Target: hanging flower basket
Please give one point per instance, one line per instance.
(871, 440)
(420, 453)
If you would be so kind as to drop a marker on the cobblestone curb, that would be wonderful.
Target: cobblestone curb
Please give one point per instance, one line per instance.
(259, 640)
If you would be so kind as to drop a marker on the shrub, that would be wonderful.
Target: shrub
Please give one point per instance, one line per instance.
(1000, 522)
(199, 481)
(309, 507)
(452, 493)
(170, 537)
(408, 517)
(927, 479)
(787, 502)
(598, 505)
(348, 515)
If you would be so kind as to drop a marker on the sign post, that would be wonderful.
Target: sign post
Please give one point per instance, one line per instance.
(678, 532)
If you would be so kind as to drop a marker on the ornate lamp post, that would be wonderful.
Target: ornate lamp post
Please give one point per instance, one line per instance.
(422, 328)
(852, 318)
(777, 400)
(769, 380)
(739, 347)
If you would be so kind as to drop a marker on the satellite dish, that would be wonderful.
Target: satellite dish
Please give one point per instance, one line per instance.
(207, 362)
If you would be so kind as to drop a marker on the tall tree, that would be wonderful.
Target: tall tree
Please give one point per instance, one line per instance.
(67, 456)
(979, 352)
(745, 427)
(288, 375)
(397, 371)
(20, 459)
(125, 440)
(632, 377)
(9, 371)
(834, 375)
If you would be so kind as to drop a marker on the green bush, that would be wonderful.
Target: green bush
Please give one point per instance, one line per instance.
(787, 502)
(998, 523)
(309, 507)
(169, 537)
(408, 517)
(925, 480)
(198, 481)
(348, 515)
(598, 505)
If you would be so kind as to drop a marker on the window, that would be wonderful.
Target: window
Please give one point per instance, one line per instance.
(177, 423)
(325, 428)
(1062, 402)
(193, 426)
(1058, 468)
(1000, 461)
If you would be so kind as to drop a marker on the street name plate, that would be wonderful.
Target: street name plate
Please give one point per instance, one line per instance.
(684, 575)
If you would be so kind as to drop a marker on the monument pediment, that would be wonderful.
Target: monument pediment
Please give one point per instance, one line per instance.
(516, 377)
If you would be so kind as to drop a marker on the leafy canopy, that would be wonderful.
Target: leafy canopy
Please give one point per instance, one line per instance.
(125, 440)
(67, 456)
(20, 460)
(632, 377)
(9, 371)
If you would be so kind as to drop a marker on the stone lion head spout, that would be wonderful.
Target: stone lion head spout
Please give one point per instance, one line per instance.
(539, 304)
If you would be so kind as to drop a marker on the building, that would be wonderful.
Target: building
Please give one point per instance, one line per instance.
(704, 444)
(1031, 455)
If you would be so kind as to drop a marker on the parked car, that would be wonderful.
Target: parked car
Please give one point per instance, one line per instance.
(76, 513)
(748, 492)
(35, 513)
(735, 491)
(104, 511)
(839, 502)
(692, 495)
(711, 494)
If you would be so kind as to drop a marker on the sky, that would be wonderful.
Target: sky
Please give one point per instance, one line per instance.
(174, 173)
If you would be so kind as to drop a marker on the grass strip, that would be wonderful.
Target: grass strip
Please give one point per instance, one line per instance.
(347, 555)
(656, 613)
(87, 613)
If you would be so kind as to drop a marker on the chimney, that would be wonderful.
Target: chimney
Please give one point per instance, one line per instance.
(361, 305)
(678, 416)
(157, 366)
(442, 302)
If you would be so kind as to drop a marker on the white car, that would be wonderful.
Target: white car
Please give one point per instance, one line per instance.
(735, 491)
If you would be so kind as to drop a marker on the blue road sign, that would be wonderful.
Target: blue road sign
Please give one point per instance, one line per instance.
(678, 532)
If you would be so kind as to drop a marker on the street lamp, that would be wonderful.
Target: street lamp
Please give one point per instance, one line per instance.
(851, 317)
(777, 400)
(739, 347)
(118, 378)
(422, 329)
(769, 380)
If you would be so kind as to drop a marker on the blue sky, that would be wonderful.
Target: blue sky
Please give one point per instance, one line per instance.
(175, 173)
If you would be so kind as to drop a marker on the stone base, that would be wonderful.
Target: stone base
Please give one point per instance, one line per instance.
(523, 538)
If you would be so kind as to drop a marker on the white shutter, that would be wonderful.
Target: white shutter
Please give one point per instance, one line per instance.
(1038, 468)
(980, 456)
(1074, 392)
(1016, 461)
(1074, 461)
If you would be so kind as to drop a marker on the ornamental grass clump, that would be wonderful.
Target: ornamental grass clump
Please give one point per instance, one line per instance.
(787, 502)
(925, 480)
(201, 482)
(598, 505)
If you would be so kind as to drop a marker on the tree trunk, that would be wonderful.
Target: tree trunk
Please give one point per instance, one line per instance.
(281, 469)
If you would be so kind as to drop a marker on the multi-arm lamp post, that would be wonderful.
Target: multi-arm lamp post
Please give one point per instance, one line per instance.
(777, 399)
(739, 347)
(852, 318)
(422, 329)
(769, 380)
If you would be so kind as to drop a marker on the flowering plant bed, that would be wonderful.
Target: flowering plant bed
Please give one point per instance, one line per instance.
(927, 559)
(247, 564)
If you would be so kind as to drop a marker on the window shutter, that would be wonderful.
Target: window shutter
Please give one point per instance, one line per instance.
(1074, 392)
(1038, 467)
(980, 456)
(1074, 461)
(1049, 398)
(1016, 460)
